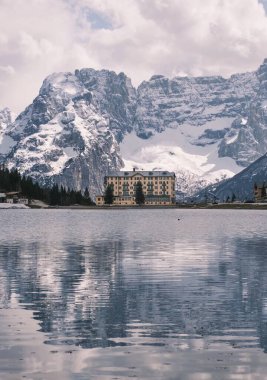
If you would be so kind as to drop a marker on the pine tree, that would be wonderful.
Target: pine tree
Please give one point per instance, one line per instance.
(109, 195)
(233, 198)
(86, 193)
(263, 190)
(139, 195)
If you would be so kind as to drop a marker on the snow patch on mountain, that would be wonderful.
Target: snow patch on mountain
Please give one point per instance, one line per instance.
(180, 151)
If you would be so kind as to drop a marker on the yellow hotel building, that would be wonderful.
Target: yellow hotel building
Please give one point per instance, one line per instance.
(158, 187)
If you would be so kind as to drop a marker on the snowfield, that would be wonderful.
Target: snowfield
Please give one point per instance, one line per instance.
(176, 150)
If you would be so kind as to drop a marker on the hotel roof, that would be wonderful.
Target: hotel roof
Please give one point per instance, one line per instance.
(152, 173)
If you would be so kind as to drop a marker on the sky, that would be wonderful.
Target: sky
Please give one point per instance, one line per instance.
(139, 37)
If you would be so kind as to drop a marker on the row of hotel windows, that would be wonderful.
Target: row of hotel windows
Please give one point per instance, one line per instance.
(163, 191)
(132, 199)
(144, 187)
(132, 193)
(131, 182)
(148, 184)
(137, 178)
(151, 203)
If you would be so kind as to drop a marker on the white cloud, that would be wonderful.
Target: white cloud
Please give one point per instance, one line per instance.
(139, 37)
(7, 70)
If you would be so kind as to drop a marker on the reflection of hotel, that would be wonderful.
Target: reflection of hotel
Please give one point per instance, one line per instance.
(158, 187)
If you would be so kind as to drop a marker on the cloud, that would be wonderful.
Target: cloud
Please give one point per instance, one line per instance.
(138, 37)
(7, 70)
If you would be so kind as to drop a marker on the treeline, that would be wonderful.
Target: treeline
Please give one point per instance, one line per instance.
(12, 180)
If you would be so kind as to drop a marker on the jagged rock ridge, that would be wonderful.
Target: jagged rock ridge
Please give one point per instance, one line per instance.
(246, 141)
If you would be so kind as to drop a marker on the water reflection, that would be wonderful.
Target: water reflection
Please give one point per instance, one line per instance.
(121, 292)
(116, 282)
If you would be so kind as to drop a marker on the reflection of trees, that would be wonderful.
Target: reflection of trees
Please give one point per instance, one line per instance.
(90, 294)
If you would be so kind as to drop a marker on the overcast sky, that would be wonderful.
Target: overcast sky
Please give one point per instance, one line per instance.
(138, 37)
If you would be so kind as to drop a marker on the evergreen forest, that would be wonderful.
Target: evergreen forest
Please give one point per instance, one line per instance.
(12, 180)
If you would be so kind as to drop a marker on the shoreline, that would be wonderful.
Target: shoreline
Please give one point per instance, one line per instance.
(223, 206)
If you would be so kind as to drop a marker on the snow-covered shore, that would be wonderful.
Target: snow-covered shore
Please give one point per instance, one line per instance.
(12, 206)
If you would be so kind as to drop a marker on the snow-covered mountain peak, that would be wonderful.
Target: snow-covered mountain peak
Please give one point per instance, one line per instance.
(83, 125)
(61, 84)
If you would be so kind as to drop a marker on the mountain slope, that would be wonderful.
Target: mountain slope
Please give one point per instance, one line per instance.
(242, 184)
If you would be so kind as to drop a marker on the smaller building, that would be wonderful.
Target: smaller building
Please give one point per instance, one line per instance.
(2, 197)
(260, 192)
(16, 197)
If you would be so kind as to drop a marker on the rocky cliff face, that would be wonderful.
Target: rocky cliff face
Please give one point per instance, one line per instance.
(164, 102)
(84, 124)
(246, 140)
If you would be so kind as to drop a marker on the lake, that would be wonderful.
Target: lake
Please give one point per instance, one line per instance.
(146, 294)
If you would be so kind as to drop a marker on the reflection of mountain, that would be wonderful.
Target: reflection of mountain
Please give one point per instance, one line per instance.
(112, 292)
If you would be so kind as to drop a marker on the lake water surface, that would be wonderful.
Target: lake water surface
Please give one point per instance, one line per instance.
(146, 294)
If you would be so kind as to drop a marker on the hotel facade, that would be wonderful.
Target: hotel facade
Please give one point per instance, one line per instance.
(260, 192)
(158, 187)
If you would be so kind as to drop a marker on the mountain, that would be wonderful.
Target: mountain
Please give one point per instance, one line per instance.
(70, 133)
(85, 124)
(181, 122)
(242, 184)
